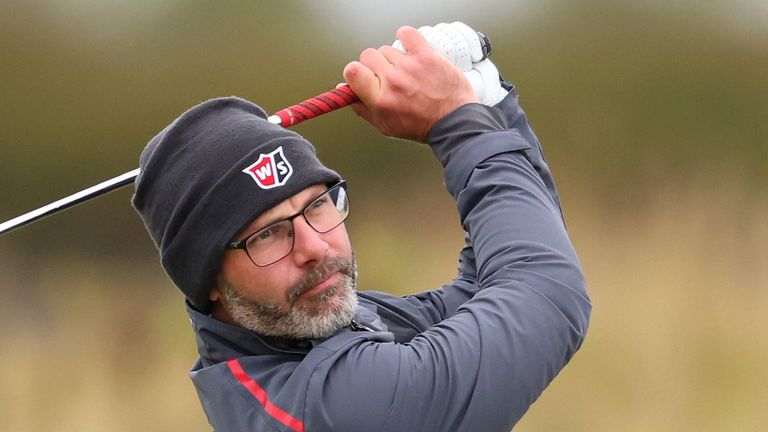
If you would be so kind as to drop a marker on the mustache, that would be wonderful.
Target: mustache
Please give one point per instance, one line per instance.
(318, 274)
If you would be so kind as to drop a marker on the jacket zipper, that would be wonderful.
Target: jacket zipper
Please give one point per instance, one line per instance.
(356, 326)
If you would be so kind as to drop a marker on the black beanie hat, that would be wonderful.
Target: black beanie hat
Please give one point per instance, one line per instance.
(207, 175)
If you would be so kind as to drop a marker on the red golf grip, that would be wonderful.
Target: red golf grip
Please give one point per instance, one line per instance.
(318, 105)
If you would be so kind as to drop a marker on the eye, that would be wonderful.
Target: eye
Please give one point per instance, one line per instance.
(318, 203)
(265, 234)
(269, 233)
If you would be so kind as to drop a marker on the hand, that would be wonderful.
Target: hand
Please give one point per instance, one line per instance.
(457, 42)
(462, 46)
(403, 94)
(484, 78)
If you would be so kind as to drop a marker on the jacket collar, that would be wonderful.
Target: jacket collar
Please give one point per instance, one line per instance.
(218, 341)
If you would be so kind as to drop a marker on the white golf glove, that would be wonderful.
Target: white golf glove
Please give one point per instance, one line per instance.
(462, 46)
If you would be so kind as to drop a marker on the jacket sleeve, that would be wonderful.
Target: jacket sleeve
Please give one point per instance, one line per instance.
(484, 366)
(433, 306)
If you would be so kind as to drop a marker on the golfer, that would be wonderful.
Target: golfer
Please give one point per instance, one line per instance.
(250, 227)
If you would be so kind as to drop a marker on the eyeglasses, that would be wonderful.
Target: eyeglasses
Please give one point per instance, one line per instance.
(274, 242)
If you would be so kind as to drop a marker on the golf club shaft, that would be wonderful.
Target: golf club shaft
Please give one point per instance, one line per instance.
(70, 201)
(308, 109)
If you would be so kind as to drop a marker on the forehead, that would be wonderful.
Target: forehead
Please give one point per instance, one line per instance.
(284, 209)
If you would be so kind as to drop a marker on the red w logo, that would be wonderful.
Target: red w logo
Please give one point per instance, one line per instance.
(271, 170)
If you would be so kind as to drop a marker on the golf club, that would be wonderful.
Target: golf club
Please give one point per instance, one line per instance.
(293, 115)
(321, 104)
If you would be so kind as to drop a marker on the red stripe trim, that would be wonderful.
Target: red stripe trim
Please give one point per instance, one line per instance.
(261, 396)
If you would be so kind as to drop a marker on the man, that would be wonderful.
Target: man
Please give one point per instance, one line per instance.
(250, 226)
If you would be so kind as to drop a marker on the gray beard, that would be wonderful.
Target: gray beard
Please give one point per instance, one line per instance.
(337, 305)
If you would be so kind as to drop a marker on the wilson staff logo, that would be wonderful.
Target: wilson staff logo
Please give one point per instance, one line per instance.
(271, 170)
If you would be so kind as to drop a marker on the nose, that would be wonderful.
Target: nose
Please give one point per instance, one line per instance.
(308, 244)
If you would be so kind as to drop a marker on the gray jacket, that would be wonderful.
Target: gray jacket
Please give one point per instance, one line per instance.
(470, 356)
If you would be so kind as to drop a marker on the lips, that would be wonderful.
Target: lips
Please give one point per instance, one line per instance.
(322, 286)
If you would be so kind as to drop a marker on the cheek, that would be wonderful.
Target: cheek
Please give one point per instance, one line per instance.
(256, 283)
(339, 241)
(233, 267)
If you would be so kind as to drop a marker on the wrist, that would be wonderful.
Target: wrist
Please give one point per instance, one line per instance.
(462, 125)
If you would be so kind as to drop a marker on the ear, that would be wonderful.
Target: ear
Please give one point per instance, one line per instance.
(214, 295)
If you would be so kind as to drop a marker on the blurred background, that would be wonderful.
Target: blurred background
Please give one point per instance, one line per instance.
(653, 116)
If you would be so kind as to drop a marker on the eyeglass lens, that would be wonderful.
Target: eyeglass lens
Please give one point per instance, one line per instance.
(323, 214)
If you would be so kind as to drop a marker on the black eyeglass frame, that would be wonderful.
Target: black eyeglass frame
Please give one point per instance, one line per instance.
(242, 244)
